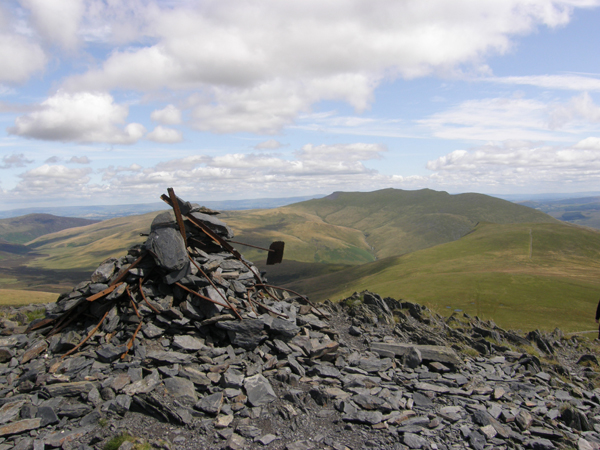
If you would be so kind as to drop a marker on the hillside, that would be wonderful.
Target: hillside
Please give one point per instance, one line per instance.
(19, 230)
(522, 275)
(86, 247)
(321, 236)
(356, 227)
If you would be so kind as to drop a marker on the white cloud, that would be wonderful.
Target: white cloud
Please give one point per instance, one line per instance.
(165, 135)
(270, 144)
(491, 119)
(580, 108)
(57, 21)
(514, 164)
(320, 168)
(497, 119)
(170, 115)
(22, 58)
(14, 160)
(340, 50)
(49, 181)
(566, 82)
(592, 143)
(79, 160)
(79, 117)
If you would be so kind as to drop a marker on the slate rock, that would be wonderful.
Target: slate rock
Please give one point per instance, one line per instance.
(188, 343)
(181, 388)
(285, 328)
(247, 333)
(211, 404)
(414, 441)
(259, 390)
(48, 416)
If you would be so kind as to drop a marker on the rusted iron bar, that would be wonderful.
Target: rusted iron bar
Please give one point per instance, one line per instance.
(215, 287)
(90, 334)
(249, 301)
(104, 292)
(200, 295)
(130, 343)
(253, 246)
(177, 211)
(68, 317)
(41, 324)
(295, 293)
(125, 270)
(269, 309)
(146, 300)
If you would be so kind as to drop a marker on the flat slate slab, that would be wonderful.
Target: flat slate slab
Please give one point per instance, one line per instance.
(428, 352)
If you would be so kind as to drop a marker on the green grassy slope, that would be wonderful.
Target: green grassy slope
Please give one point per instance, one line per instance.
(397, 222)
(342, 229)
(86, 247)
(19, 230)
(520, 275)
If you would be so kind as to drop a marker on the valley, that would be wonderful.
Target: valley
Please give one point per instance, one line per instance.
(469, 252)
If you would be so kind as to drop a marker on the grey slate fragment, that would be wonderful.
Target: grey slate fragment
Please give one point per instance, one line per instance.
(259, 390)
(211, 404)
(422, 400)
(246, 333)
(540, 444)
(285, 328)
(414, 441)
(68, 389)
(168, 249)
(48, 416)
(109, 353)
(217, 226)
(186, 342)
(428, 352)
(412, 359)
(181, 388)
(368, 417)
(165, 357)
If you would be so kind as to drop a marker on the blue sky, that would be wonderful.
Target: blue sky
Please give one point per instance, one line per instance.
(104, 101)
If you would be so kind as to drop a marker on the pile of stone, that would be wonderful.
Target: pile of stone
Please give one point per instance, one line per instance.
(265, 369)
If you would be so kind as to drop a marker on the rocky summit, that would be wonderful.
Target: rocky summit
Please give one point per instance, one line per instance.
(182, 344)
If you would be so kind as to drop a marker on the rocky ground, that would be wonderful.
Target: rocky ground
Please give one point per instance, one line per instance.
(376, 373)
(182, 344)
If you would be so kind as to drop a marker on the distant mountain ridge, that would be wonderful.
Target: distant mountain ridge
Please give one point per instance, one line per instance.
(376, 224)
(104, 212)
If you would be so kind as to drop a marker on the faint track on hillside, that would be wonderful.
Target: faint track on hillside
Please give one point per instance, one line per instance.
(530, 243)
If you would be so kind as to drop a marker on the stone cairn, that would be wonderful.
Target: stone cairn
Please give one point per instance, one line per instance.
(182, 344)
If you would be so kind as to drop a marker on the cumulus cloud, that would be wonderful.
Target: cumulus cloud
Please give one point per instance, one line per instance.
(53, 180)
(52, 160)
(26, 58)
(79, 117)
(517, 163)
(592, 143)
(314, 168)
(165, 135)
(57, 21)
(170, 115)
(339, 50)
(79, 160)
(14, 160)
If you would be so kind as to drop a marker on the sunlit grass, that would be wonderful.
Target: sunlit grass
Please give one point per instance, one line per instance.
(14, 297)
